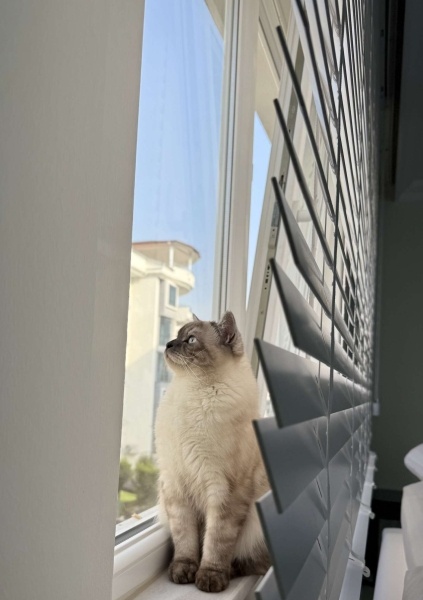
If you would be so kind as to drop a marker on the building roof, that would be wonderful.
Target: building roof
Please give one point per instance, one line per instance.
(183, 253)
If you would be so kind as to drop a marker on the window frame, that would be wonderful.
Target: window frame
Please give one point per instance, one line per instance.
(236, 156)
(141, 557)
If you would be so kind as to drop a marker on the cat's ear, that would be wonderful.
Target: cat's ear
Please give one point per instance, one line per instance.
(195, 318)
(229, 333)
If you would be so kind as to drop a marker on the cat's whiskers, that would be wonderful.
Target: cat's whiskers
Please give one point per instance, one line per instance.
(188, 367)
(192, 359)
(185, 363)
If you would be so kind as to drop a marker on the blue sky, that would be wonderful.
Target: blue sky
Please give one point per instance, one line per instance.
(176, 182)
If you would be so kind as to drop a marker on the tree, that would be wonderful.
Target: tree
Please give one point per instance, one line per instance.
(125, 472)
(145, 480)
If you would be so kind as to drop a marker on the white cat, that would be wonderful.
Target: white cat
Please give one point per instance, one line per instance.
(211, 471)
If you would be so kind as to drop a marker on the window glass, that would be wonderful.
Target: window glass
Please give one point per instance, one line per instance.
(165, 330)
(175, 215)
(172, 295)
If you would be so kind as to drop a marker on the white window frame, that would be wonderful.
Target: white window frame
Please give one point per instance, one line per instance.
(236, 158)
(140, 559)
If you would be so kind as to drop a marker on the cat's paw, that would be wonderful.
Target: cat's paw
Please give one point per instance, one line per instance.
(183, 570)
(211, 580)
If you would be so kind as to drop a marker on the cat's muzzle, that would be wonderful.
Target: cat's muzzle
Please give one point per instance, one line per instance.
(174, 356)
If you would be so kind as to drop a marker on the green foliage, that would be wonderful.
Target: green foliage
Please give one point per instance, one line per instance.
(145, 479)
(125, 472)
(127, 497)
(137, 486)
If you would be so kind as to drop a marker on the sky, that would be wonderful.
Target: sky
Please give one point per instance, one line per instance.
(176, 181)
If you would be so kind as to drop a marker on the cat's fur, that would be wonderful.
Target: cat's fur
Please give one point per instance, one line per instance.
(211, 471)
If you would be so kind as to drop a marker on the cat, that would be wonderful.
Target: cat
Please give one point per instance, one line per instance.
(211, 471)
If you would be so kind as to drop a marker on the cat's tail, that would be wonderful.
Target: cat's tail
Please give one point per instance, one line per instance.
(257, 565)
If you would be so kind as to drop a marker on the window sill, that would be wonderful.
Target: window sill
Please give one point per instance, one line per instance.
(140, 559)
(241, 588)
(140, 572)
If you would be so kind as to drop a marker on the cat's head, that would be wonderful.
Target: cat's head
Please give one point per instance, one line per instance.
(204, 345)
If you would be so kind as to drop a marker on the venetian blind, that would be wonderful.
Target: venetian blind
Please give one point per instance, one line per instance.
(316, 447)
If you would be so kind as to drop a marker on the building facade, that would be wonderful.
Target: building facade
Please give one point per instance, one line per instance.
(160, 275)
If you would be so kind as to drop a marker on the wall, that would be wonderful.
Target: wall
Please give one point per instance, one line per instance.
(69, 77)
(400, 425)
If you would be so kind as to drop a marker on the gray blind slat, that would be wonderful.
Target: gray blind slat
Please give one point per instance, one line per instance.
(307, 121)
(305, 524)
(342, 426)
(322, 86)
(299, 388)
(312, 577)
(306, 264)
(294, 454)
(303, 184)
(340, 518)
(338, 471)
(339, 467)
(323, 96)
(306, 331)
(292, 382)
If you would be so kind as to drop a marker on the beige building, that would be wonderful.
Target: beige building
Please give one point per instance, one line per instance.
(160, 275)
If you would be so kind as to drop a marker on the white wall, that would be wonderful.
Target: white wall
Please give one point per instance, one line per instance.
(69, 85)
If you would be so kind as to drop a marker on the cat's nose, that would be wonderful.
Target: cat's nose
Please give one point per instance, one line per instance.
(171, 343)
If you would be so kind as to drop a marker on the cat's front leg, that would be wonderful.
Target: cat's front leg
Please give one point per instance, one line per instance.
(223, 524)
(183, 523)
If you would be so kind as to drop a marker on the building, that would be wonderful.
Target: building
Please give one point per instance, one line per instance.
(160, 274)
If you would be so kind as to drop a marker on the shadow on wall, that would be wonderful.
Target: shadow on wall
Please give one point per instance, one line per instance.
(400, 424)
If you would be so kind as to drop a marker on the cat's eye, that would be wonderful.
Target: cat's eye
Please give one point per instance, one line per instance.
(192, 339)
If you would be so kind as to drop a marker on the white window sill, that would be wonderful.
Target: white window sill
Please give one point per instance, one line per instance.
(140, 572)
(241, 588)
(140, 559)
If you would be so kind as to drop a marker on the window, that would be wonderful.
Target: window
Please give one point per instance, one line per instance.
(175, 216)
(172, 295)
(165, 330)
(183, 214)
(308, 191)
